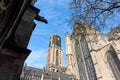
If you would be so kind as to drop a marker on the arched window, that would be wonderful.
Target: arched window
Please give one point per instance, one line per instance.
(88, 60)
(84, 60)
(114, 63)
(57, 57)
(80, 63)
(57, 71)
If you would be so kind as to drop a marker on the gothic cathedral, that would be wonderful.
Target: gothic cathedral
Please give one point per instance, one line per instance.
(90, 55)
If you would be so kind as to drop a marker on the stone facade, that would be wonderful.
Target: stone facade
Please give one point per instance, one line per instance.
(30, 73)
(97, 55)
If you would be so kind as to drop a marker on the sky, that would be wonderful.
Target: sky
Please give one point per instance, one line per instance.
(57, 14)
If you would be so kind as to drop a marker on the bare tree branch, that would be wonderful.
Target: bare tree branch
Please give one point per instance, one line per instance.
(95, 12)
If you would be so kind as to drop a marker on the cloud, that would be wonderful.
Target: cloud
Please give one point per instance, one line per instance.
(55, 11)
(37, 59)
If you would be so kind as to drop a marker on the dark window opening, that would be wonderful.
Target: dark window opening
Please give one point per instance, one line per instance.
(114, 63)
(57, 57)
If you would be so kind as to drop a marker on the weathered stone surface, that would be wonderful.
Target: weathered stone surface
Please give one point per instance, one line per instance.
(11, 62)
(26, 27)
(16, 26)
(11, 12)
(104, 50)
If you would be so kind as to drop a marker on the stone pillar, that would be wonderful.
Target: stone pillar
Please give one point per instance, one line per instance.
(68, 50)
(11, 61)
(16, 26)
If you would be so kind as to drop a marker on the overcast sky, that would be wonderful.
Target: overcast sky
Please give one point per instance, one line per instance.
(56, 12)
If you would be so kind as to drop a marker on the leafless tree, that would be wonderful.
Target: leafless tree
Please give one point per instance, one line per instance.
(98, 13)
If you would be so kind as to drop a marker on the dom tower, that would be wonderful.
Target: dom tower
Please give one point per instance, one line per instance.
(54, 56)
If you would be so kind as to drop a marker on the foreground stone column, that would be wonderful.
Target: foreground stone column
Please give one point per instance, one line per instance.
(16, 26)
(11, 61)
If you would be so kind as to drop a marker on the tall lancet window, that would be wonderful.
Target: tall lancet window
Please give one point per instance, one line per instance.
(90, 71)
(114, 63)
(57, 57)
(80, 62)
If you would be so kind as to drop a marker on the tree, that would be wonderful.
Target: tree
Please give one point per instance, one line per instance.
(98, 13)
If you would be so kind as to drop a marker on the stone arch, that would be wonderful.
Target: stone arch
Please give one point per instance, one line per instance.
(113, 62)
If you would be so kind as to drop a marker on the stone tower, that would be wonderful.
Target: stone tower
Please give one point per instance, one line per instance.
(69, 54)
(54, 56)
(16, 27)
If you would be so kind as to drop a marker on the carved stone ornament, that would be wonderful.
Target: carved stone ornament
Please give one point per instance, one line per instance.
(3, 8)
